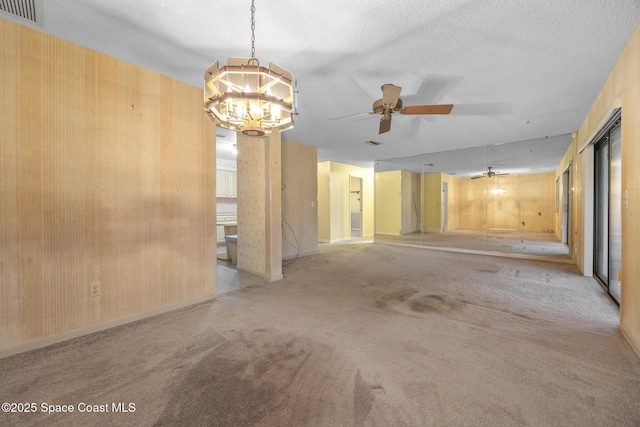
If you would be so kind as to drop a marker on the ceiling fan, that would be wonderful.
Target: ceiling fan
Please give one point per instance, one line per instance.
(488, 174)
(391, 103)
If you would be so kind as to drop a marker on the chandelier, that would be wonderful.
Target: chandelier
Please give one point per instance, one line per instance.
(249, 98)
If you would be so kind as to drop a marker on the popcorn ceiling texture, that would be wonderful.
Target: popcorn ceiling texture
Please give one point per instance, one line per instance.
(515, 70)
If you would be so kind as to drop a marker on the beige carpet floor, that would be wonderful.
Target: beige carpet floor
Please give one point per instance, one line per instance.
(358, 335)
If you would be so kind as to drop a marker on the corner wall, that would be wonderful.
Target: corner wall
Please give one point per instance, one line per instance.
(388, 194)
(107, 174)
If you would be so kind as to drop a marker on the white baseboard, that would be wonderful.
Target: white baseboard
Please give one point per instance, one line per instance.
(342, 239)
(634, 343)
(75, 333)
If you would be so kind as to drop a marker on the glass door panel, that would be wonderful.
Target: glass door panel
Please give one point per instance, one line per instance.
(602, 212)
(615, 214)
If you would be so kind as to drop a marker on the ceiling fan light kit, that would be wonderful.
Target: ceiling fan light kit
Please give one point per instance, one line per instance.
(488, 174)
(246, 97)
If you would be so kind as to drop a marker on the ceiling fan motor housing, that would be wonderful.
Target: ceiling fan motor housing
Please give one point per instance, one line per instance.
(379, 107)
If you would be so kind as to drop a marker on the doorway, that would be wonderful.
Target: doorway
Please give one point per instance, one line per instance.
(608, 215)
(355, 206)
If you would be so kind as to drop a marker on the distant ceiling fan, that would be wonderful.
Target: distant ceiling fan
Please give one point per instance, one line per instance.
(489, 173)
(391, 103)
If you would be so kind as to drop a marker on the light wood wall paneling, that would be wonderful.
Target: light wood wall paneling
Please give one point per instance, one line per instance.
(622, 84)
(300, 182)
(107, 175)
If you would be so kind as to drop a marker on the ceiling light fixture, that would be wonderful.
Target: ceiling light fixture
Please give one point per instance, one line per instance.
(246, 97)
(498, 189)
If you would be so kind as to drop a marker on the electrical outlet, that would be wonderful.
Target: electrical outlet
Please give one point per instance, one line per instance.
(94, 289)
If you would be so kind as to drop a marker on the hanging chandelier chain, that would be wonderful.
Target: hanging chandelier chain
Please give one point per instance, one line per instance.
(253, 29)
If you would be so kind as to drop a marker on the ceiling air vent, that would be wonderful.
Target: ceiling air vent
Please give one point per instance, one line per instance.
(373, 143)
(24, 10)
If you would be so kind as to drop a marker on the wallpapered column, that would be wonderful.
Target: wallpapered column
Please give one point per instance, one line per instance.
(259, 206)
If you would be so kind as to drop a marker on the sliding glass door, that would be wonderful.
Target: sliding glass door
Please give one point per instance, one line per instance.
(608, 216)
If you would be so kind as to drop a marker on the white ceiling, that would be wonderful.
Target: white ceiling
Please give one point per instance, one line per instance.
(515, 70)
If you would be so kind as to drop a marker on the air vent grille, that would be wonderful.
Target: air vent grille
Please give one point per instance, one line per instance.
(28, 10)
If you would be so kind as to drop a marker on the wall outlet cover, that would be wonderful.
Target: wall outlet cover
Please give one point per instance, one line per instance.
(95, 289)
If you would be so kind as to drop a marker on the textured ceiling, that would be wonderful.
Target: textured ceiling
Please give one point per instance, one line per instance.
(515, 70)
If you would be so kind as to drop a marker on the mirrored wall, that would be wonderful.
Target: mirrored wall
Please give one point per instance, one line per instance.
(504, 198)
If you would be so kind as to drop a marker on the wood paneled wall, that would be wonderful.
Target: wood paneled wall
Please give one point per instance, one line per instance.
(622, 87)
(299, 199)
(107, 174)
(528, 203)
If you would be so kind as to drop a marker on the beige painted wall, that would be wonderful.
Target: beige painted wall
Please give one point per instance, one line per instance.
(299, 199)
(107, 174)
(432, 203)
(388, 193)
(453, 219)
(622, 88)
(411, 202)
(334, 220)
(324, 202)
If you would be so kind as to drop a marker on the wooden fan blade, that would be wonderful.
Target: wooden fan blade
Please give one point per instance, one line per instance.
(427, 109)
(352, 115)
(390, 95)
(385, 125)
(477, 176)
